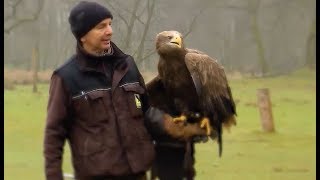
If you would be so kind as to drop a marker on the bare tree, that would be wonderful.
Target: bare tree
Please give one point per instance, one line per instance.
(129, 25)
(13, 20)
(263, 26)
(311, 47)
(148, 7)
(150, 12)
(185, 34)
(141, 18)
(254, 6)
(253, 9)
(34, 67)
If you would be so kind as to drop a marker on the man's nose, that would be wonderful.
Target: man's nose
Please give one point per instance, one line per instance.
(108, 30)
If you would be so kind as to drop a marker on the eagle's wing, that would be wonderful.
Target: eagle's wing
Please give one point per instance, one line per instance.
(215, 94)
(210, 78)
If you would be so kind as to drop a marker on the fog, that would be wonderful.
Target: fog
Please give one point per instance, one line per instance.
(257, 37)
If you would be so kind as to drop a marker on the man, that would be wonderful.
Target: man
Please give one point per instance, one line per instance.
(98, 103)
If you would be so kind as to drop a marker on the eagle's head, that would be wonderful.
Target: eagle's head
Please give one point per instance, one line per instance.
(168, 42)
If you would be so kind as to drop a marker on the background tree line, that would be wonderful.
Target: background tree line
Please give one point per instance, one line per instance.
(259, 37)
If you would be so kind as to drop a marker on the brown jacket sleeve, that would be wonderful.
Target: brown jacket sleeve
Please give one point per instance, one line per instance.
(55, 129)
(154, 117)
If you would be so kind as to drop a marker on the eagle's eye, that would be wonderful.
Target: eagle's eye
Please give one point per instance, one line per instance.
(170, 37)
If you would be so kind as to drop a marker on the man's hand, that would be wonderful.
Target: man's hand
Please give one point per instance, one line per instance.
(182, 130)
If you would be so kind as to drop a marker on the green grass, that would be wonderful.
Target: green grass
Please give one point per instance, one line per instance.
(248, 154)
(24, 120)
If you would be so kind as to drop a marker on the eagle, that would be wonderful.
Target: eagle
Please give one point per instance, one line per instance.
(192, 86)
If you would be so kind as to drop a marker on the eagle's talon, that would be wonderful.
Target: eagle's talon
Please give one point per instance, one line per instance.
(205, 123)
(181, 118)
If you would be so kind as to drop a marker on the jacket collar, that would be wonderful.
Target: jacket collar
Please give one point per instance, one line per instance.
(88, 62)
(118, 59)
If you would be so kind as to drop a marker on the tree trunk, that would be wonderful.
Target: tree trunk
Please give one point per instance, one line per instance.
(130, 26)
(258, 38)
(311, 47)
(35, 63)
(145, 32)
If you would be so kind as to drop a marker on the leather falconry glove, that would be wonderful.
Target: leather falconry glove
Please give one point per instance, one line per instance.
(182, 130)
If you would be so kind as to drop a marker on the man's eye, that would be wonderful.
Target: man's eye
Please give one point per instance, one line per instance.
(100, 27)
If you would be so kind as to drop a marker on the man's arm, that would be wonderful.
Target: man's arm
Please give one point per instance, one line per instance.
(160, 123)
(55, 129)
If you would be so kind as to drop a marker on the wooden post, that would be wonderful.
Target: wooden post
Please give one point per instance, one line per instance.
(264, 104)
(34, 64)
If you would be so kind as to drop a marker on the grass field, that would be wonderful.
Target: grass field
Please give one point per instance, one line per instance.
(249, 153)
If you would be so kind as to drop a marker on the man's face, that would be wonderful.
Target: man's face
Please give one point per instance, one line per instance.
(98, 38)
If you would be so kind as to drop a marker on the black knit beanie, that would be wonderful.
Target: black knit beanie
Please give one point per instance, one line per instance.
(86, 15)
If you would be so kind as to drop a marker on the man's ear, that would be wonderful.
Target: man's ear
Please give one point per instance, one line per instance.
(83, 39)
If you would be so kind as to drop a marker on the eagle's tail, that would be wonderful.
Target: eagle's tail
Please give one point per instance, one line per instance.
(219, 131)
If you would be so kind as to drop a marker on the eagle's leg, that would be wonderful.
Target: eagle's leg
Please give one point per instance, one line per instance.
(205, 123)
(181, 118)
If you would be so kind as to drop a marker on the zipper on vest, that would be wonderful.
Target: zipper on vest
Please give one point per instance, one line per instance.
(114, 112)
(117, 125)
(120, 137)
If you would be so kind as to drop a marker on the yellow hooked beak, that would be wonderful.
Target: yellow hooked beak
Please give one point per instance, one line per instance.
(176, 40)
